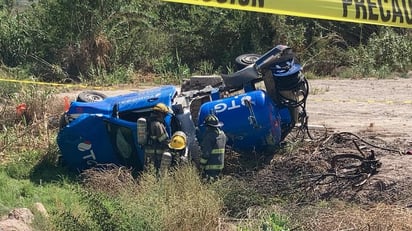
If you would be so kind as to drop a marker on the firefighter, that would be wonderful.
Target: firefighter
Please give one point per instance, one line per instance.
(177, 153)
(212, 144)
(158, 137)
(178, 148)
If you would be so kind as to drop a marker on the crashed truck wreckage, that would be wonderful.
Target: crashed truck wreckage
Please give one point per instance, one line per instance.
(259, 105)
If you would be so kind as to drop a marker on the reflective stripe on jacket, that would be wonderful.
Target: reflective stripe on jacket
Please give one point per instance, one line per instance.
(213, 149)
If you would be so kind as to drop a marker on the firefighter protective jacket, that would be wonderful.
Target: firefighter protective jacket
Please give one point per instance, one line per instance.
(158, 137)
(213, 149)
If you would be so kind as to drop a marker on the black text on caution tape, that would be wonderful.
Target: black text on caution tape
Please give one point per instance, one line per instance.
(380, 10)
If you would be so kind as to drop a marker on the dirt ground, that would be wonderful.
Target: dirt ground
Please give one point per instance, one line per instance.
(380, 106)
(360, 117)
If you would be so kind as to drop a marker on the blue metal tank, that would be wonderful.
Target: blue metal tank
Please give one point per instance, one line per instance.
(252, 121)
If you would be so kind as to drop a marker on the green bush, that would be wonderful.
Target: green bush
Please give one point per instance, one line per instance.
(271, 222)
(21, 167)
(391, 50)
(386, 51)
(14, 42)
(171, 69)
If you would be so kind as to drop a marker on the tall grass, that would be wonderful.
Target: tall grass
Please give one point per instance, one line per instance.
(180, 201)
(176, 201)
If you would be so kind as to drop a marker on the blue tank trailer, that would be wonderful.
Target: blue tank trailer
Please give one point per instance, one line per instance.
(259, 105)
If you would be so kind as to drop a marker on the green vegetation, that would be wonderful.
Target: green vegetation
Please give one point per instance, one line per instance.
(105, 42)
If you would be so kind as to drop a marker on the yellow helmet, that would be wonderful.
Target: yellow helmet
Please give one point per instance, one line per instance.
(178, 141)
(161, 107)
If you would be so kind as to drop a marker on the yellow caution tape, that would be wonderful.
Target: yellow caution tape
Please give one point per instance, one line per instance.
(396, 13)
(51, 84)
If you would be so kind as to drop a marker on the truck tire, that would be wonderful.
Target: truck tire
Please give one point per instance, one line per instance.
(200, 82)
(245, 60)
(90, 96)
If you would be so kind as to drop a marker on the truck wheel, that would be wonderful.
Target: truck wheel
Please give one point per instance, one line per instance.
(90, 96)
(245, 60)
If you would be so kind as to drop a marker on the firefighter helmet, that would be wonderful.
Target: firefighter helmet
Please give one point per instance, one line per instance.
(161, 107)
(178, 141)
(212, 120)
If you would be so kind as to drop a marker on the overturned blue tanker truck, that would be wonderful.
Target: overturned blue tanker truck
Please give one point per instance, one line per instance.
(259, 105)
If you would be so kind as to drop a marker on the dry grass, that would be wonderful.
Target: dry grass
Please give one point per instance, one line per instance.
(28, 121)
(110, 179)
(340, 216)
(177, 201)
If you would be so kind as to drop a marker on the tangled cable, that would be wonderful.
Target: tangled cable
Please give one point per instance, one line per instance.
(352, 166)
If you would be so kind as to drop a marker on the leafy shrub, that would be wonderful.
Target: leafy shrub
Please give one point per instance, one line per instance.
(68, 220)
(391, 49)
(13, 39)
(171, 69)
(386, 51)
(275, 222)
(121, 75)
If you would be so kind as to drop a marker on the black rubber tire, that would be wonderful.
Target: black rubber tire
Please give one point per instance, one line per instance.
(245, 60)
(90, 96)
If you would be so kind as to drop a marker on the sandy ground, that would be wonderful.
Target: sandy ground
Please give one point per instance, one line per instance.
(382, 106)
(379, 110)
